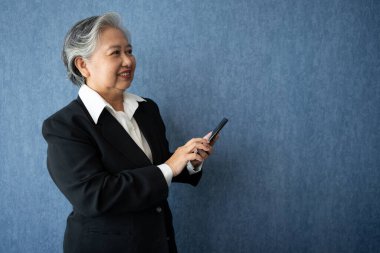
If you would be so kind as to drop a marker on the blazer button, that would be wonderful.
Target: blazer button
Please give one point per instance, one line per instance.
(159, 209)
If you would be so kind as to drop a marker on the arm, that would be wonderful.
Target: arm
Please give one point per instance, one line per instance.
(75, 165)
(184, 176)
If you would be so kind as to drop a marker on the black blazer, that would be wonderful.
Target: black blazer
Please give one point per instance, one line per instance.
(119, 197)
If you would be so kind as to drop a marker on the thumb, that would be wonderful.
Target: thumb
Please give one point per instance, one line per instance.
(207, 136)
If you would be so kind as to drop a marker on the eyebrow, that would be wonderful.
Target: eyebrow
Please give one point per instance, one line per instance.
(118, 46)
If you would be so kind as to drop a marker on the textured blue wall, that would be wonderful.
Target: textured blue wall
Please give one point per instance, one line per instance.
(297, 169)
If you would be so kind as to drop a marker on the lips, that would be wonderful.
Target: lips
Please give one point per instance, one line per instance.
(125, 74)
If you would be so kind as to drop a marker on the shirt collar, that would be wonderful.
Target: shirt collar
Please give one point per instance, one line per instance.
(95, 104)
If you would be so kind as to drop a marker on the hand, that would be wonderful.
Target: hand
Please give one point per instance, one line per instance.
(188, 152)
(214, 140)
(203, 153)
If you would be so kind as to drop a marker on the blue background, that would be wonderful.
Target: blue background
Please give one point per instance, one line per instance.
(297, 168)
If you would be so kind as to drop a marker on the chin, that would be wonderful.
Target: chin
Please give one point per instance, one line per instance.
(123, 86)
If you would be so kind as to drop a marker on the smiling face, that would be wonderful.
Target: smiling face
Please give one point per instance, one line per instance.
(111, 66)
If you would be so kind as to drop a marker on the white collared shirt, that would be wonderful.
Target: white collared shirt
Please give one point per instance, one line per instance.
(95, 104)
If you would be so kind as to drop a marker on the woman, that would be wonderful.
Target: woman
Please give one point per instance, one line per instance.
(107, 149)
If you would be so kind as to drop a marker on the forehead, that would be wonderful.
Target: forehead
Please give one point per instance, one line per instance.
(111, 36)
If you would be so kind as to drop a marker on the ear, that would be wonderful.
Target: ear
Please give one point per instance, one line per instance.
(81, 66)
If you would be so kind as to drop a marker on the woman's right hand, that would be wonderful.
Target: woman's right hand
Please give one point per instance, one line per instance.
(188, 152)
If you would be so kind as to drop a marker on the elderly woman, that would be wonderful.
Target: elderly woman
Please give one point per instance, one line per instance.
(107, 149)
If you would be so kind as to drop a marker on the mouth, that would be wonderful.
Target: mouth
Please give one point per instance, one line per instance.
(126, 74)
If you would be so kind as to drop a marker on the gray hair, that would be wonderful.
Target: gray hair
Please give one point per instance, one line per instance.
(81, 41)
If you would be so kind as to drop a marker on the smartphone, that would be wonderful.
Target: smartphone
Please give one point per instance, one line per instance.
(217, 129)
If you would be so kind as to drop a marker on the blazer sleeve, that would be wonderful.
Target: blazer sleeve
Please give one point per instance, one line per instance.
(75, 165)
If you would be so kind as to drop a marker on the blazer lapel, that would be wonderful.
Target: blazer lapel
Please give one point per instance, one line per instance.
(120, 139)
(146, 125)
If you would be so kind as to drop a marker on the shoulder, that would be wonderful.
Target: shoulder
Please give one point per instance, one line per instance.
(149, 101)
(70, 111)
(70, 117)
(149, 105)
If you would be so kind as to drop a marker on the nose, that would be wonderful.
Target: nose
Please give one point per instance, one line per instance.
(127, 60)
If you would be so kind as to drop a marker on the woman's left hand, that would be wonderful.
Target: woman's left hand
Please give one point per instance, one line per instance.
(203, 153)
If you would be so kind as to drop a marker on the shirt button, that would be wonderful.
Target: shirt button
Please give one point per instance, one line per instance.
(159, 209)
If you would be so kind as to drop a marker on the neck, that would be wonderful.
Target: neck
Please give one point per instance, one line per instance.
(115, 97)
(116, 101)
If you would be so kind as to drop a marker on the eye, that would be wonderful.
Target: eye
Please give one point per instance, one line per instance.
(129, 51)
(116, 52)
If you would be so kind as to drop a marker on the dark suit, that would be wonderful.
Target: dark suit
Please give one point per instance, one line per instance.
(119, 198)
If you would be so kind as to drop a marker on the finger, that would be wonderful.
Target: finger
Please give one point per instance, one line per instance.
(210, 151)
(207, 136)
(197, 146)
(193, 147)
(194, 156)
(203, 154)
(196, 140)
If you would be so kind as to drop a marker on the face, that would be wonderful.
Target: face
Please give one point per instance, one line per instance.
(111, 67)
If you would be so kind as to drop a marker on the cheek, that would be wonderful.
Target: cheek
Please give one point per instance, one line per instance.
(105, 71)
(97, 70)
(108, 70)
